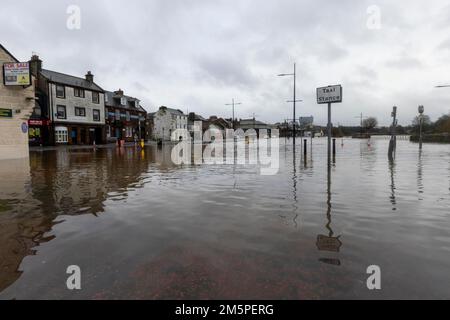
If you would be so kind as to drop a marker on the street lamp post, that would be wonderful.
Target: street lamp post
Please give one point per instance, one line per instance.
(293, 101)
(421, 110)
(233, 104)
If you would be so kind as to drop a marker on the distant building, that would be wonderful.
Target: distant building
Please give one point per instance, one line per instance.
(125, 118)
(16, 105)
(306, 121)
(166, 121)
(70, 109)
(246, 124)
(218, 123)
(192, 119)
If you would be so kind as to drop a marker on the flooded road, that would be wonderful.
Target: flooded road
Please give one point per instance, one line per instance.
(141, 227)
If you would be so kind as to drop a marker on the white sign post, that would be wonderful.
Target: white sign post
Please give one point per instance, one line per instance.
(329, 95)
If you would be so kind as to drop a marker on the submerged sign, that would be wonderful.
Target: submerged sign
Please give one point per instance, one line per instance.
(330, 94)
(16, 74)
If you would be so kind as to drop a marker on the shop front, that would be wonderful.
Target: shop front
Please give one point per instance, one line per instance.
(79, 134)
(38, 132)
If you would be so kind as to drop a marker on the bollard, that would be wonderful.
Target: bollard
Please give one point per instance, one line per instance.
(334, 146)
(305, 145)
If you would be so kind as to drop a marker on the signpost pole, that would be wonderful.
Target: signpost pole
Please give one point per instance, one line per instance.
(329, 95)
(329, 131)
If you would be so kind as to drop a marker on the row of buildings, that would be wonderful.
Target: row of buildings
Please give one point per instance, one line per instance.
(77, 110)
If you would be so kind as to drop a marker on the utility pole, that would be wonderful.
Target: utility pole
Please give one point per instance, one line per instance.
(393, 141)
(361, 122)
(293, 101)
(254, 119)
(233, 104)
(421, 110)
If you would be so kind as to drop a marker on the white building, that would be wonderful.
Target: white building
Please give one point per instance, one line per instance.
(75, 106)
(166, 121)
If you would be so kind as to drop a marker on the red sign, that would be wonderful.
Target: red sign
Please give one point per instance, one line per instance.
(33, 122)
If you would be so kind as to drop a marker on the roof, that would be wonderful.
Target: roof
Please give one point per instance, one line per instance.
(252, 123)
(111, 101)
(69, 80)
(9, 53)
(198, 117)
(220, 121)
(173, 111)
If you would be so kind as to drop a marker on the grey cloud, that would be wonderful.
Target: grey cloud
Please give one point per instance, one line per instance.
(200, 54)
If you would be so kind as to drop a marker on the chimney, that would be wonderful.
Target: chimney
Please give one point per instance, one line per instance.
(35, 65)
(118, 92)
(89, 77)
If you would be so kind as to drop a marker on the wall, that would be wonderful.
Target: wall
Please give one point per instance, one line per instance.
(71, 102)
(164, 123)
(14, 142)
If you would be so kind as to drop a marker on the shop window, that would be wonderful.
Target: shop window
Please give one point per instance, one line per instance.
(61, 135)
(129, 132)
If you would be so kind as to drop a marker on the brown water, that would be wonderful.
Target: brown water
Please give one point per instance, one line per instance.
(140, 227)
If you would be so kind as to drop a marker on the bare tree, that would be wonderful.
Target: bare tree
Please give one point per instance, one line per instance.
(370, 123)
(426, 123)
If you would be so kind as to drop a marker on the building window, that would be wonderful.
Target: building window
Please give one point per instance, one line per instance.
(60, 91)
(80, 112)
(128, 116)
(117, 115)
(78, 92)
(129, 132)
(61, 135)
(95, 97)
(61, 112)
(96, 115)
(123, 101)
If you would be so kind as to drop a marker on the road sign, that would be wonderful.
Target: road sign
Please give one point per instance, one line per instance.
(330, 94)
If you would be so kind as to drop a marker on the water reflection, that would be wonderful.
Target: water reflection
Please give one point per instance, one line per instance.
(392, 197)
(419, 176)
(329, 242)
(34, 192)
(142, 227)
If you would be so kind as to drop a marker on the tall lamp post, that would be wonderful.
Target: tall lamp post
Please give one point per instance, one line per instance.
(293, 101)
(233, 104)
(421, 110)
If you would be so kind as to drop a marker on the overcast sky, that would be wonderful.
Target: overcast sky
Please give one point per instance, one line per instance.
(198, 55)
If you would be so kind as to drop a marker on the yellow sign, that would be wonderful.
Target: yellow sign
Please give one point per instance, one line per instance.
(16, 74)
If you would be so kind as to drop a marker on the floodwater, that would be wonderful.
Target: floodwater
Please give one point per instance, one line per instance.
(140, 227)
